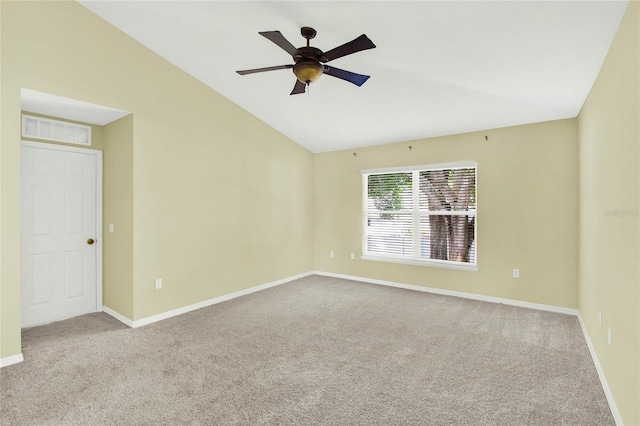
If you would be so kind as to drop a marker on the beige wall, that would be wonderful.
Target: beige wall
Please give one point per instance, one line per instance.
(214, 189)
(527, 211)
(118, 210)
(9, 207)
(231, 208)
(96, 133)
(609, 280)
(5, 327)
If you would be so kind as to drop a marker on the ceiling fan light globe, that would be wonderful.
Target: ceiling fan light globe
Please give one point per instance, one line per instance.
(307, 71)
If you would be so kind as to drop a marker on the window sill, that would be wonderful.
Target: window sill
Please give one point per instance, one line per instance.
(431, 263)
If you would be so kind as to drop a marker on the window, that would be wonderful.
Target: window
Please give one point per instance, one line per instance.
(55, 130)
(422, 215)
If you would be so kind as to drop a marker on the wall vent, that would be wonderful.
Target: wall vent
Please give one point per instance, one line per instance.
(55, 130)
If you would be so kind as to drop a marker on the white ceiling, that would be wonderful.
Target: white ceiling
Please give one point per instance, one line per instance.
(71, 109)
(439, 68)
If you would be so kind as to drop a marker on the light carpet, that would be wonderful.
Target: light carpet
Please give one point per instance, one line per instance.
(315, 351)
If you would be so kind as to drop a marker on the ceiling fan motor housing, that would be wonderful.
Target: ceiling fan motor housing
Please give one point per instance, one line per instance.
(308, 68)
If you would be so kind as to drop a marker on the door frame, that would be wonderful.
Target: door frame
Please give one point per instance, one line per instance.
(98, 154)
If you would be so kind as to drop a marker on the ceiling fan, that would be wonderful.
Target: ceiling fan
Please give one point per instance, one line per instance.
(309, 60)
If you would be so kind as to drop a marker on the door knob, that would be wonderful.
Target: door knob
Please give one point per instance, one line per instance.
(90, 241)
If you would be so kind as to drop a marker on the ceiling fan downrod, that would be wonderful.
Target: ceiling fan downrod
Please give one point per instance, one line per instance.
(308, 33)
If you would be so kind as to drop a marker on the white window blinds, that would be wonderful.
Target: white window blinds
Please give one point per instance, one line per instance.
(423, 215)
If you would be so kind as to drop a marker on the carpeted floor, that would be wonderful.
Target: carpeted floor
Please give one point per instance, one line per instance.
(316, 351)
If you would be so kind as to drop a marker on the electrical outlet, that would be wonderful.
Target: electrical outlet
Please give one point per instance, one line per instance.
(516, 273)
(111, 228)
(609, 337)
(158, 283)
(331, 253)
(353, 256)
(600, 318)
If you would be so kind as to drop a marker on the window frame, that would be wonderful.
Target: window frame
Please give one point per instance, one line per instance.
(40, 121)
(416, 215)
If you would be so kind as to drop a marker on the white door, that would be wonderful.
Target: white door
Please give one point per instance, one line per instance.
(60, 254)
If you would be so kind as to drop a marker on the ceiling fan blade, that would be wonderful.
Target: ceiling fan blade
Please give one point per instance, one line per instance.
(356, 45)
(278, 38)
(351, 77)
(300, 87)
(277, 67)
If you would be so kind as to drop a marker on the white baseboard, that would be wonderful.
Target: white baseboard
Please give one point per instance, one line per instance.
(10, 360)
(118, 316)
(603, 380)
(199, 305)
(522, 304)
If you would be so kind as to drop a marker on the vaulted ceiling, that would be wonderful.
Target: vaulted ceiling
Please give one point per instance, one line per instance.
(440, 67)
